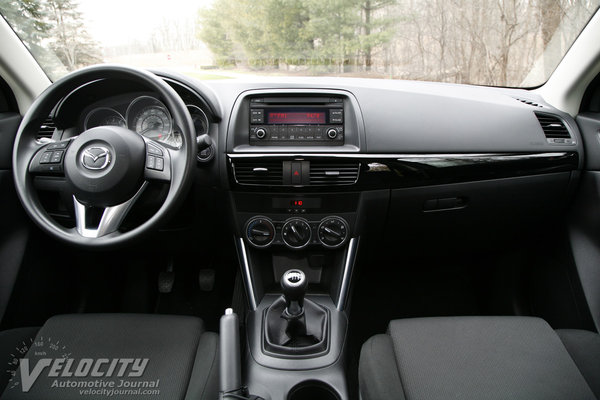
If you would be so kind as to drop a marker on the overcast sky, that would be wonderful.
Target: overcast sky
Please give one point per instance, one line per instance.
(113, 22)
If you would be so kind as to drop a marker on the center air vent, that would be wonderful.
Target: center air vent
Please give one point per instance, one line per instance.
(258, 172)
(333, 173)
(554, 128)
(46, 129)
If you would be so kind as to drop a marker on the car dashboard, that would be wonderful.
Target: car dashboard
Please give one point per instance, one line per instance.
(306, 154)
(317, 175)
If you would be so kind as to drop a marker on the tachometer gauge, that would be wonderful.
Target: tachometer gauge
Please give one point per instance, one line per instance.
(150, 118)
(199, 118)
(103, 116)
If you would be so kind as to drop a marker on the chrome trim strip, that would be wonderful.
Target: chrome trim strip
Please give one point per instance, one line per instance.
(409, 157)
(347, 276)
(246, 276)
(111, 216)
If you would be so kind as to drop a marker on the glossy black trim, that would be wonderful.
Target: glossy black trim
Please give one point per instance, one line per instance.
(411, 170)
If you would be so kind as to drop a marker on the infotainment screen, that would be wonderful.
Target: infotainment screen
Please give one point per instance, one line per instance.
(294, 116)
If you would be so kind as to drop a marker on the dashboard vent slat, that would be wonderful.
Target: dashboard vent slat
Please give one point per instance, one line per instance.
(258, 172)
(334, 173)
(46, 129)
(555, 129)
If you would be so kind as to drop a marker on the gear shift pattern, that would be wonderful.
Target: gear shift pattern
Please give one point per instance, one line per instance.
(293, 284)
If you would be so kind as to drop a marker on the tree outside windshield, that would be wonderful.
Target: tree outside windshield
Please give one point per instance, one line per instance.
(515, 43)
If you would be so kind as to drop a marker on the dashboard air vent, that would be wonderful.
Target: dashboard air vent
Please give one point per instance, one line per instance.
(258, 172)
(334, 173)
(554, 128)
(46, 129)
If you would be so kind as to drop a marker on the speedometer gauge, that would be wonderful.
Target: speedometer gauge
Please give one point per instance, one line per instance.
(150, 118)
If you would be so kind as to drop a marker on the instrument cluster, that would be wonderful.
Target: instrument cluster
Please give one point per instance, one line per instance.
(147, 116)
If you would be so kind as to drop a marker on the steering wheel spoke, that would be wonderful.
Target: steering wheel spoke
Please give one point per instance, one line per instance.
(50, 159)
(158, 162)
(110, 218)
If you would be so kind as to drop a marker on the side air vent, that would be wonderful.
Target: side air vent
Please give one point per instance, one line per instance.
(333, 173)
(529, 102)
(46, 129)
(554, 128)
(258, 172)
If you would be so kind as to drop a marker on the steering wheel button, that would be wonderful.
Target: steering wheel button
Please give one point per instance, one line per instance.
(57, 157)
(53, 168)
(151, 162)
(160, 164)
(46, 157)
(58, 145)
(154, 150)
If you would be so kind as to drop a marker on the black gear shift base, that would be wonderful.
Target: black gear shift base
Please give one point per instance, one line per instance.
(305, 334)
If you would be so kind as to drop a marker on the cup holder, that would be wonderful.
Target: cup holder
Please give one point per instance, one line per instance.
(313, 390)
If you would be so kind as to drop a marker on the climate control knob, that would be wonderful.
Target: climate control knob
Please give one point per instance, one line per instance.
(261, 133)
(296, 233)
(260, 232)
(332, 133)
(333, 232)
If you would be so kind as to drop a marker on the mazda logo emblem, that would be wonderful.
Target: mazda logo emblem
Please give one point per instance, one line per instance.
(96, 158)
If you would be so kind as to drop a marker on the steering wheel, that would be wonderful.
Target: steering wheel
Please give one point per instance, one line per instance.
(107, 168)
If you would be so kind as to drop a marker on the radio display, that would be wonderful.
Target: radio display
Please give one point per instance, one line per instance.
(295, 116)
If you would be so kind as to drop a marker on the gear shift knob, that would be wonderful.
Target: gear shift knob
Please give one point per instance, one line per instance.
(294, 283)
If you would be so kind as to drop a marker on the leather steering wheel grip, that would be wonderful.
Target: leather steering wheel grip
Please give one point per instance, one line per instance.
(25, 147)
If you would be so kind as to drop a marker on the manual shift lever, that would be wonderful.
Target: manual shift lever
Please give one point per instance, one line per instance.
(294, 325)
(293, 284)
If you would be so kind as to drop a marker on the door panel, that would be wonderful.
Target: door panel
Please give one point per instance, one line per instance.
(9, 123)
(14, 229)
(584, 220)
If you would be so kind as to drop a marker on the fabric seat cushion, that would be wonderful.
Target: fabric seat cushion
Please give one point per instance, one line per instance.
(471, 358)
(169, 343)
(11, 341)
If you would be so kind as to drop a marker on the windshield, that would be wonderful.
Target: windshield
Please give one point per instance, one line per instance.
(515, 43)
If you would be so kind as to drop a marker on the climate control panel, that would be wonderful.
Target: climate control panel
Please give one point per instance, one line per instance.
(297, 233)
(260, 232)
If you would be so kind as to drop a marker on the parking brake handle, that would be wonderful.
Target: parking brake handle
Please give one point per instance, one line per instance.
(230, 370)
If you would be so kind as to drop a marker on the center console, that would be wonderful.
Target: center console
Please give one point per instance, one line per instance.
(297, 218)
(296, 339)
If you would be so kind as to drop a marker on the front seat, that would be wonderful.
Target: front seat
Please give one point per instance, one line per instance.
(479, 358)
(118, 356)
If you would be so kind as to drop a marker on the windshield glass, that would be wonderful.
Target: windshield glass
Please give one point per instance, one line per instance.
(514, 43)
